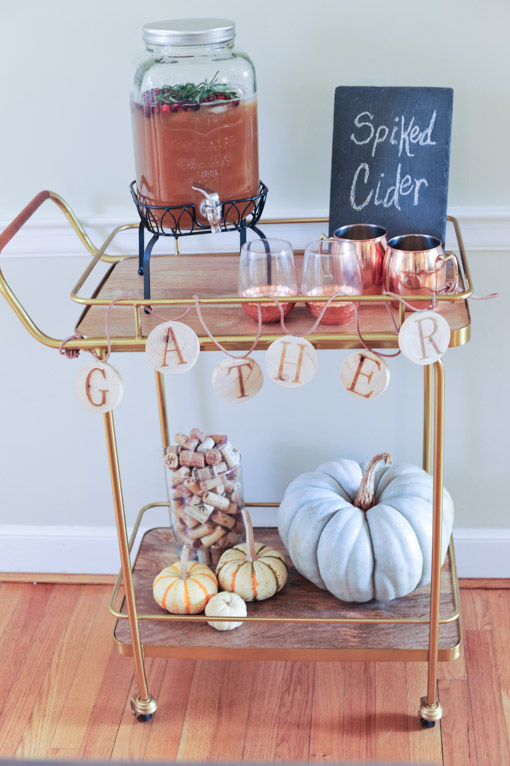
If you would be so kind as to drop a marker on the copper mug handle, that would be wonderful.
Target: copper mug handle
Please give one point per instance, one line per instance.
(451, 257)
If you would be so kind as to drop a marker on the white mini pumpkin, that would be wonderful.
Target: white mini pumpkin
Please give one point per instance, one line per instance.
(226, 604)
(363, 532)
(185, 587)
(252, 570)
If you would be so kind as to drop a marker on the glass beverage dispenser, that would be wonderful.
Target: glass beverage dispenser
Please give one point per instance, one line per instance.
(194, 116)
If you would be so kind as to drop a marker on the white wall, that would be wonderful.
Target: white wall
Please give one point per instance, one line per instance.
(66, 127)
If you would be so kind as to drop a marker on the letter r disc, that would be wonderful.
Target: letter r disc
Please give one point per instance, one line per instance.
(424, 337)
(364, 375)
(98, 387)
(172, 348)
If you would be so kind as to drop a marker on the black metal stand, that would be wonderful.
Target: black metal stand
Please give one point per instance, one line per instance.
(181, 221)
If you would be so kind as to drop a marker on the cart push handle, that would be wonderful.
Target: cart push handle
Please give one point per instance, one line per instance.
(9, 233)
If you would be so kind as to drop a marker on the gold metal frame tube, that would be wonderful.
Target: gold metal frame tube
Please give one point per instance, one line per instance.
(435, 584)
(120, 517)
(427, 415)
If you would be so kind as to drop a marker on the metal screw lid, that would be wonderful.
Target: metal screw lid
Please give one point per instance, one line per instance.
(189, 31)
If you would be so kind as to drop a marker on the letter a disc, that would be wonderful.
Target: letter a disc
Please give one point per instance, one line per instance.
(237, 380)
(291, 361)
(364, 375)
(424, 337)
(172, 348)
(98, 387)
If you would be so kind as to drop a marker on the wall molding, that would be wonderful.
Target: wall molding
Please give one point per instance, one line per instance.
(483, 229)
(94, 550)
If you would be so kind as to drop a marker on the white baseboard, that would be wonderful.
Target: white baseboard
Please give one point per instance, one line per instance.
(483, 229)
(94, 550)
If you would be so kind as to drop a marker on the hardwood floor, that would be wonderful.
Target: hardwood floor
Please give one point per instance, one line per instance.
(64, 694)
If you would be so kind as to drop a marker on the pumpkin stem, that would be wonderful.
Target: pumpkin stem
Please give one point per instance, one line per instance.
(252, 554)
(365, 495)
(183, 569)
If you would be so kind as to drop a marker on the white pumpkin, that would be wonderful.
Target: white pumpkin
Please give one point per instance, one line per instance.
(252, 570)
(226, 604)
(363, 532)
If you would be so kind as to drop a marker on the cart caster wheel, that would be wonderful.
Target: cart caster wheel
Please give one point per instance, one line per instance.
(429, 714)
(143, 710)
(144, 717)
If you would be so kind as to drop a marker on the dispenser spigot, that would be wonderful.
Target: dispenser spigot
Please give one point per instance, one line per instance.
(210, 207)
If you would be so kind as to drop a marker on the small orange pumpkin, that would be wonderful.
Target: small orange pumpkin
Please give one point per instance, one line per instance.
(185, 587)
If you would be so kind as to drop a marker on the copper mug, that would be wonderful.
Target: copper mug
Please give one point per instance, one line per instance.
(370, 242)
(415, 264)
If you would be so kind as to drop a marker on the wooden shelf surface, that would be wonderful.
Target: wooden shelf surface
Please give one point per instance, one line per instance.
(215, 276)
(299, 599)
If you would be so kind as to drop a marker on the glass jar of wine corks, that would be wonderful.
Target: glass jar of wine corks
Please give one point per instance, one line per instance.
(205, 493)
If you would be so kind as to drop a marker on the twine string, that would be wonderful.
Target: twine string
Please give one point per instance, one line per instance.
(218, 344)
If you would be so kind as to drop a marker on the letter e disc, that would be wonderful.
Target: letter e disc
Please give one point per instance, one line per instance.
(98, 387)
(237, 380)
(172, 348)
(364, 375)
(424, 337)
(291, 361)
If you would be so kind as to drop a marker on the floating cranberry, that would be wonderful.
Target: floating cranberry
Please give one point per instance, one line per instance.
(235, 102)
(175, 107)
(165, 108)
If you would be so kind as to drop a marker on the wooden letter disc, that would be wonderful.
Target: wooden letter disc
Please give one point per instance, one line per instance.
(364, 375)
(236, 380)
(172, 348)
(98, 387)
(291, 361)
(424, 337)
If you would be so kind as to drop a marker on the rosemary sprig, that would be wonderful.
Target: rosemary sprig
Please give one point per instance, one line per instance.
(193, 93)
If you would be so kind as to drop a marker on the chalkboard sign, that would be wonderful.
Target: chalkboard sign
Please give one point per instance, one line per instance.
(391, 159)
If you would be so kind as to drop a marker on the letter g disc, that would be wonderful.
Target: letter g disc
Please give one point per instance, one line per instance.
(424, 337)
(172, 348)
(98, 387)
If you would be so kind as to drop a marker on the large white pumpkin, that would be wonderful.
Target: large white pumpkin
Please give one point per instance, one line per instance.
(363, 532)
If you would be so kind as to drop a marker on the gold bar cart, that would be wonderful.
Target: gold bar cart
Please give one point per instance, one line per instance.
(424, 626)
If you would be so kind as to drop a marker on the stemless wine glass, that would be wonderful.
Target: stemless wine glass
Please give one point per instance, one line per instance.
(267, 267)
(331, 266)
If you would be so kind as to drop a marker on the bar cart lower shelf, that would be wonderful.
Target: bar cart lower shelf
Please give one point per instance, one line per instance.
(398, 630)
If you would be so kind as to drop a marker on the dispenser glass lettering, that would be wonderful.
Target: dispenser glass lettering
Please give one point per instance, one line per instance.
(194, 117)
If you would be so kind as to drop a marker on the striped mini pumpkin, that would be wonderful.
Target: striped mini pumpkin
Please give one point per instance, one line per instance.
(185, 587)
(252, 570)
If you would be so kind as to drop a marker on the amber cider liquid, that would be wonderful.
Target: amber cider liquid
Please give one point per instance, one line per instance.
(215, 145)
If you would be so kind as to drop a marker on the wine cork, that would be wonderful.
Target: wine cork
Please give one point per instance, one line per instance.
(209, 540)
(191, 443)
(212, 457)
(181, 491)
(206, 445)
(223, 541)
(223, 519)
(202, 530)
(232, 509)
(199, 510)
(181, 438)
(212, 484)
(219, 438)
(228, 485)
(236, 498)
(178, 476)
(189, 458)
(193, 486)
(209, 472)
(198, 434)
(219, 501)
(170, 458)
(229, 455)
(232, 537)
(186, 521)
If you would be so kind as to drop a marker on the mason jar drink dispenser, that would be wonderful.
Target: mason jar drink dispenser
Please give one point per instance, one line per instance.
(194, 117)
